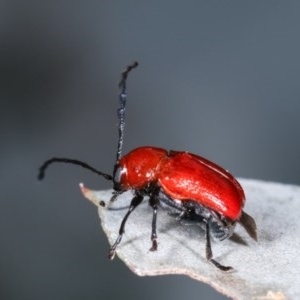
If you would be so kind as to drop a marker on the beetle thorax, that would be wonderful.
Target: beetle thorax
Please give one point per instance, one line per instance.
(139, 168)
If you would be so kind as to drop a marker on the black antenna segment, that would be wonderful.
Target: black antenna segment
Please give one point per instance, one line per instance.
(121, 116)
(48, 162)
(121, 110)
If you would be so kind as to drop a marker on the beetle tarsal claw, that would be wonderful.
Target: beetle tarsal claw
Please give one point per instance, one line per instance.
(111, 254)
(221, 267)
(154, 245)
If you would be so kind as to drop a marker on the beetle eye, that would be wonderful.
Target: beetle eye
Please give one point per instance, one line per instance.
(117, 174)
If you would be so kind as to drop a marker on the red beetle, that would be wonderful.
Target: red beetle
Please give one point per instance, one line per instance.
(190, 187)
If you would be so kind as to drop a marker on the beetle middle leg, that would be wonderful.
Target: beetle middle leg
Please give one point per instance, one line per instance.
(154, 200)
(136, 200)
(209, 254)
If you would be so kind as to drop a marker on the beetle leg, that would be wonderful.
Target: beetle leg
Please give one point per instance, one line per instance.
(136, 200)
(209, 253)
(154, 200)
(153, 232)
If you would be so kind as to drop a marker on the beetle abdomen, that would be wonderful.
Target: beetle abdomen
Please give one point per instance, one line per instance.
(187, 176)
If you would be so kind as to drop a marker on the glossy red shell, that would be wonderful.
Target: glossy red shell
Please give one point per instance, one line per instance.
(184, 176)
(141, 166)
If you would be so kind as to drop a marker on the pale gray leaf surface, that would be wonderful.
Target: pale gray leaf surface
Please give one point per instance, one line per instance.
(267, 269)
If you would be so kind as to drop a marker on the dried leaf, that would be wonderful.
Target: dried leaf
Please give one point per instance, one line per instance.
(267, 269)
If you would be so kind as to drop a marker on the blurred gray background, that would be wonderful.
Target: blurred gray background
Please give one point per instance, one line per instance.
(218, 78)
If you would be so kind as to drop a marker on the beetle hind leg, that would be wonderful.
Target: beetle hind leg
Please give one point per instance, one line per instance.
(209, 254)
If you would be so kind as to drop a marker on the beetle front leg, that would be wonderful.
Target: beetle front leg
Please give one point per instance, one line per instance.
(134, 203)
(209, 253)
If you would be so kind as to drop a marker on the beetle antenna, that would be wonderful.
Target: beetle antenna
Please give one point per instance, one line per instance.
(121, 110)
(48, 162)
